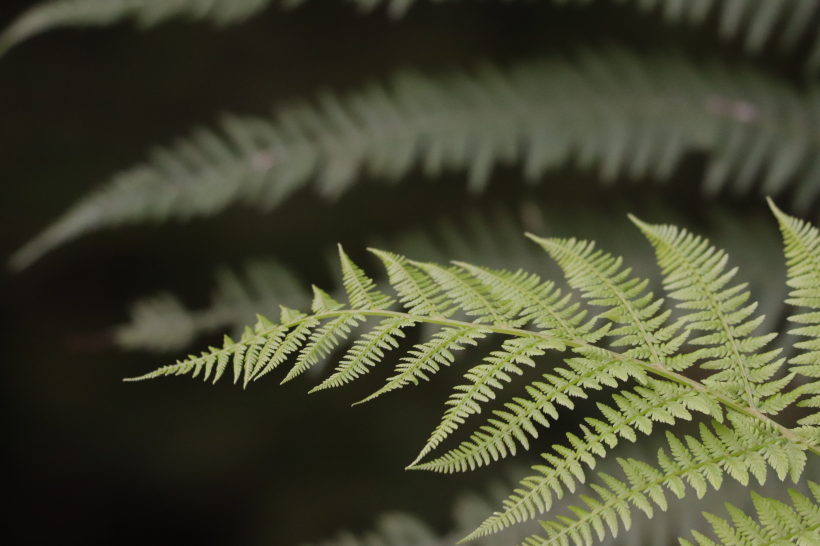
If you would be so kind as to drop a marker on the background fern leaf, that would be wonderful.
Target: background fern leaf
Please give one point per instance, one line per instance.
(541, 114)
(756, 20)
(779, 523)
(162, 323)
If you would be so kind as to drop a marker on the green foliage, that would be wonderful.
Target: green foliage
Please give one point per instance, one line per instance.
(746, 385)
(755, 19)
(779, 523)
(624, 114)
(161, 323)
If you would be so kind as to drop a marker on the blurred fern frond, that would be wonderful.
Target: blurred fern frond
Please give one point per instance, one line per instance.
(755, 20)
(612, 110)
(162, 323)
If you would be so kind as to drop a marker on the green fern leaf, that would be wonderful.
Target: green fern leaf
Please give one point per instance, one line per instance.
(602, 278)
(779, 523)
(540, 304)
(661, 401)
(361, 290)
(802, 250)
(700, 464)
(696, 275)
(322, 342)
(499, 437)
(427, 358)
(367, 352)
(419, 294)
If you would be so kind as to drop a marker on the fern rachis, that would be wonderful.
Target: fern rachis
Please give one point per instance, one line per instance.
(741, 397)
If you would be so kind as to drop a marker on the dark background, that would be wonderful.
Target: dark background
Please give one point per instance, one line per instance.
(93, 460)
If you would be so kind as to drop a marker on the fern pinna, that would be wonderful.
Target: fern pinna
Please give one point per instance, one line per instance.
(650, 352)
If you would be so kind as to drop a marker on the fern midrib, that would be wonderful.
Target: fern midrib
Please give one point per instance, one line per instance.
(646, 487)
(517, 332)
(714, 304)
(543, 479)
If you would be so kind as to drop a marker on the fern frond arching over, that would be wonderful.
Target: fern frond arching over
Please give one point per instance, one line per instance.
(531, 318)
(612, 110)
(755, 21)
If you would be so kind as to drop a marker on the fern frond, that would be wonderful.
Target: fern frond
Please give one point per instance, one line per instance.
(695, 274)
(538, 303)
(427, 358)
(779, 523)
(162, 323)
(419, 294)
(700, 464)
(657, 401)
(430, 293)
(361, 290)
(367, 351)
(485, 378)
(752, 19)
(627, 115)
(146, 13)
(802, 249)
(501, 435)
(602, 278)
(322, 342)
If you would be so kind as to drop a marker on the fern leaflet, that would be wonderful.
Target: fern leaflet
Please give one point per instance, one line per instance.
(779, 523)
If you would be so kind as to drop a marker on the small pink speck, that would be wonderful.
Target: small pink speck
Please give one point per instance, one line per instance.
(262, 161)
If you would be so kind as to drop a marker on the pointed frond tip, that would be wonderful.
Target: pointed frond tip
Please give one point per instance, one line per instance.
(538, 114)
(513, 320)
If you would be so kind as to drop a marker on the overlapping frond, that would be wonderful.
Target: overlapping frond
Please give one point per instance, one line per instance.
(779, 523)
(802, 249)
(754, 20)
(699, 463)
(162, 323)
(602, 278)
(695, 274)
(658, 401)
(626, 115)
(511, 426)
